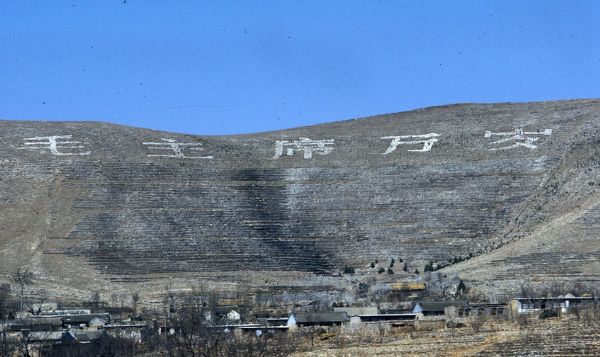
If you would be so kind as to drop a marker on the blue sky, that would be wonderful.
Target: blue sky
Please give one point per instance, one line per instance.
(225, 67)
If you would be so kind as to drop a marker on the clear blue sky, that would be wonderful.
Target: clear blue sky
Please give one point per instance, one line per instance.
(224, 67)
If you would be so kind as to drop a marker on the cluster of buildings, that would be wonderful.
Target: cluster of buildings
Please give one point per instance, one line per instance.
(50, 326)
(422, 315)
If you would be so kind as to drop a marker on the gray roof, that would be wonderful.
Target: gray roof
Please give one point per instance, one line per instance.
(485, 304)
(126, 325)
(33, 322)
(556, 298)
(84, 319)
(355, 311)
(388, 315)
(50, 335)
(89, 335)
(439, 306)
(336, 316)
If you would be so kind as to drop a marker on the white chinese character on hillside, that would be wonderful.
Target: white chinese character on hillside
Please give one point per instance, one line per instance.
(427, 140)
(176, 149)
(306, 145)
(54, 144)
(519, 137)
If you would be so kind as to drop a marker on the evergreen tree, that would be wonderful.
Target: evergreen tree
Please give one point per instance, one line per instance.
(461, 288)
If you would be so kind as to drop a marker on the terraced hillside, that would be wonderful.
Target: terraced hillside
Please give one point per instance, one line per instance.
(90, 205)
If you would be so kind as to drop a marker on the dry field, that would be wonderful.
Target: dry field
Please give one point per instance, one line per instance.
(564, 337)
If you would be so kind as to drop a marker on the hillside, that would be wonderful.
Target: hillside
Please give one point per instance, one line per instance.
(96, 206)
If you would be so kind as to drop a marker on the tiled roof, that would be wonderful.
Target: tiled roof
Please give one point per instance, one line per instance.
(321, 317)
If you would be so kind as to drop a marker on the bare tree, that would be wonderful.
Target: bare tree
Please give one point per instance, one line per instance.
(32, 341)
(135, 297)
(114, 299)
(22, 276)
(170, 299)
(105, 346)
(527, 290)
(194, 324)
(381, 329)
(5, 300)
(41, 299)
(7, 345)
(95, 300)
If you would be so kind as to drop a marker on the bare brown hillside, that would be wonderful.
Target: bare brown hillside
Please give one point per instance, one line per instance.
(95, 206)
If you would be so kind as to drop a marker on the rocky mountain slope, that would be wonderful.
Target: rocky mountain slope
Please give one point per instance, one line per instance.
(91, 206)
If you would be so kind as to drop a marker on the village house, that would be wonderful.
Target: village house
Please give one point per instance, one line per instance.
(401, 319)
(254, 329)
(273, 321)
(407, 286)
(317, 319)
(89, 336)
(48, 337)
(354, 313)
(407, 289)
(477, 309)
(97, 323)
(84, 321)
(60, 342)
(135, 331)
(435, 308)
(371, 314)
(560, 303)
(233, 316)
(259, 330)
(34, 324)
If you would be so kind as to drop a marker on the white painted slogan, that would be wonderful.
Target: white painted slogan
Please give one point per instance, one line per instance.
(426, 139)
(520, 138)
(305, 145)
(64, 145)
(175, 149)
(53, 144)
